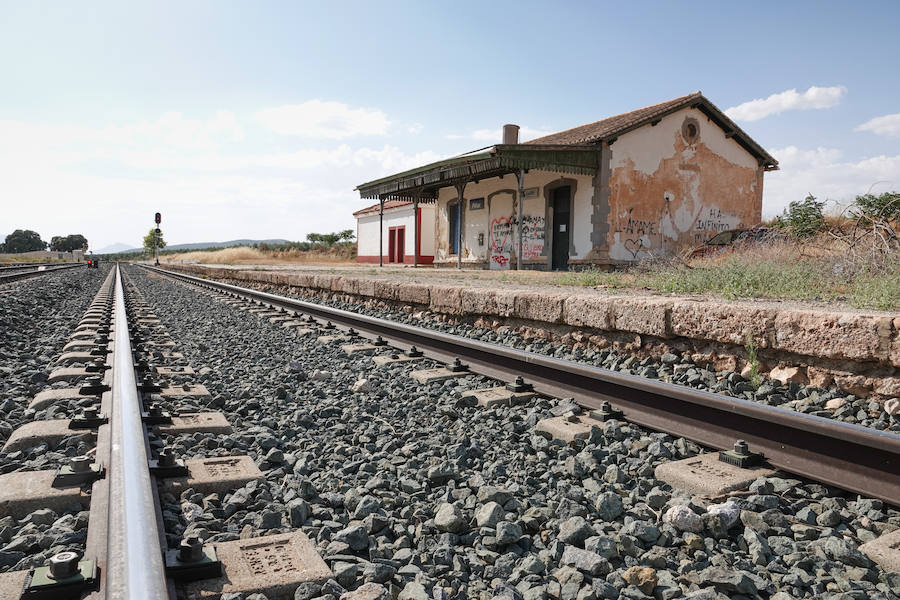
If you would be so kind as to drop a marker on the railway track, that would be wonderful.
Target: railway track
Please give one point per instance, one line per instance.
(848, 456)
(136, 391)
(18, 273)
(126, 552)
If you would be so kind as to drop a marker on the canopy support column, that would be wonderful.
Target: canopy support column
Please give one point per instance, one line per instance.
(380, 231)
(520, 178)
(460, 189)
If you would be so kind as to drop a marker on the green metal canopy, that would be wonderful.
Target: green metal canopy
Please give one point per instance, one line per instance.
(422, 183)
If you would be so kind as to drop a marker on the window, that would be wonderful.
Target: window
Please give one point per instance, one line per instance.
(453, 210)
(721, 239)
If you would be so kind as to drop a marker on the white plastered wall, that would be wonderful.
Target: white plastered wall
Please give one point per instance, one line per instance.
(367, 230)
(481, 222)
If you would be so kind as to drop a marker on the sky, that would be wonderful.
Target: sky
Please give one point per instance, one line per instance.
(257, 119)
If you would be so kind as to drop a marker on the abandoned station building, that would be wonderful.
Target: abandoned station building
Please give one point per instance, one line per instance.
(644, 183)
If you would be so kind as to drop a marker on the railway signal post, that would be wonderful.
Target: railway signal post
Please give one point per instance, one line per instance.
(158, 219)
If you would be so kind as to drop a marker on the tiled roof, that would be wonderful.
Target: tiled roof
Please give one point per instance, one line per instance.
(598, 130)
(387, 204)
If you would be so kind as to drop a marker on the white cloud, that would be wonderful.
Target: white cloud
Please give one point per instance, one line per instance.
(823, 173)
(106, 182)
(495, 136)
(813, 98)
(171, 130)
(324, 119)
(888, 125)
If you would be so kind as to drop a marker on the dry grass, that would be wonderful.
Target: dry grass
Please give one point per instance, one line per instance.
(243, 255)
(817, 270)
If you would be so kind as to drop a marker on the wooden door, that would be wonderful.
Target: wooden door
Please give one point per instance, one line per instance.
(400, 245)
(561, 210)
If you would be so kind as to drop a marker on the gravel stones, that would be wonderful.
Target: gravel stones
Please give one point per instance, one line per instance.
(728, 512)
(37, 316)
(362, 386)
(643, 578)
(585, 561)
(448, 517)
(508, 533)
(367, 591)
(730, 581)
(413, 591)
(408, 488)
(574, 531)
(489, 514)
(683, 518)
(608, 505)
(354, 536)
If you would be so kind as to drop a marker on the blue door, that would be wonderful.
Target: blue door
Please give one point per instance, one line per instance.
(454, 228)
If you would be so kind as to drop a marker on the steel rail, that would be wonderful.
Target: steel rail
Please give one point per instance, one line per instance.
(848, 456)
(135, 564)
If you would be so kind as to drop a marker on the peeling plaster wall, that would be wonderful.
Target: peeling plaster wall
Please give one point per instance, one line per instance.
(667, 192)
(498, 215)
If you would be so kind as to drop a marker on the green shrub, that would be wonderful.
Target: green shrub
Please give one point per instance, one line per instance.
(803, 219)
(885, 206)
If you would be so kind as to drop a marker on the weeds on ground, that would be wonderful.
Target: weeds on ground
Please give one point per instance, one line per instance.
(752, 360)
(818, 269)
(594, 277)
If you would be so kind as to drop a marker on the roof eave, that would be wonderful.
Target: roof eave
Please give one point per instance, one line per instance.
(700, 102)
(492, 161)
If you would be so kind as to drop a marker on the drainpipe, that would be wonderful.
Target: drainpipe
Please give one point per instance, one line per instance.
(520, 177)
(460, 188)
(381, 232)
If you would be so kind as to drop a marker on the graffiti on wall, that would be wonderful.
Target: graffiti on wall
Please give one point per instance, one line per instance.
(500, 242)
(643, 238)
(503, 238)
(635, 236)
(532, 236)
(712, 221)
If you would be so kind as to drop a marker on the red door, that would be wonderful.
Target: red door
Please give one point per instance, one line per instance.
(396, 244)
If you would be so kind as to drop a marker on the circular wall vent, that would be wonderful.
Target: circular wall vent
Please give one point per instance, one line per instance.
(690, 130)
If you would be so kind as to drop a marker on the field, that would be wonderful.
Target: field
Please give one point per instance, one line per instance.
(245, 255)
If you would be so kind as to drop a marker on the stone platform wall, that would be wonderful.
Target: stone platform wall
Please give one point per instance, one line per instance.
(858, 352)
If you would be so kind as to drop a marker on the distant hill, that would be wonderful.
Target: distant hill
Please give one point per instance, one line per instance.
(113, 248)
(228, 244)
(197, 246)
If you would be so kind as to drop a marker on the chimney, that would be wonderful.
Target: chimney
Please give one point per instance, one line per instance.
(510, 134)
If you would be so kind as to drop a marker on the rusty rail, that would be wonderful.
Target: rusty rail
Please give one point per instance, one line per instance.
(848, 456)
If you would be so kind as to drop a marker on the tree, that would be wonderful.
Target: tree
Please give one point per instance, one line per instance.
(884, 207)
(75, 241)
(151, 241)
(330, 239)
(803, 219)
(24, 241)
